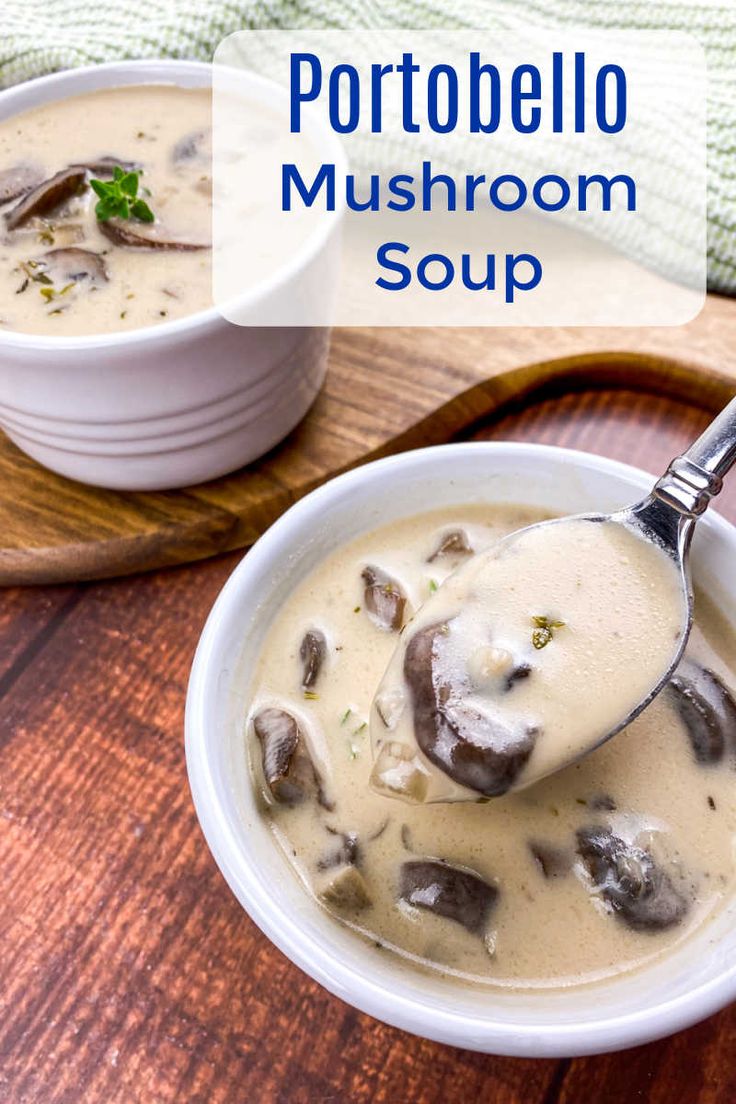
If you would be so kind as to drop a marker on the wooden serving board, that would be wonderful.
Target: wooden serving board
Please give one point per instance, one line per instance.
(129, 973)
(386, 390)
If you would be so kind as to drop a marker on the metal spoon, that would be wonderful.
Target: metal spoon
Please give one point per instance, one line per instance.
(456, 764)
(667, 517)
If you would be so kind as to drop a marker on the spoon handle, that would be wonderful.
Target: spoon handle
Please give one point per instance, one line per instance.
(694, 478)
(715, 449)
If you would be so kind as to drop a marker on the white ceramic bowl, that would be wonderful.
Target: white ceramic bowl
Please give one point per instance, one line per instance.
(173, 404)
(696, 979)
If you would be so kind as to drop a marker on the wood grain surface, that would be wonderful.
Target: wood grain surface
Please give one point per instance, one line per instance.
(386, 389)
(128, 972)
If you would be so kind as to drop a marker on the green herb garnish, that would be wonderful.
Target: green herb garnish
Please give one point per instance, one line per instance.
(118, 198)
(433, 586)
(544, 631)
(311, 696)
(345, 715)
(49, 293)
(31, 271)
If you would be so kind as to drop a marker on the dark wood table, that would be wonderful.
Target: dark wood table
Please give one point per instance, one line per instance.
(128, 971)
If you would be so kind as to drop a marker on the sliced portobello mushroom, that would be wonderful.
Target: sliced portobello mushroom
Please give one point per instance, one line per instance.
(194, 148)
(288, 769)
(474, 748)
(384, 599)
(454, 543)
(106, 165)
(122, 233)
(628, 878)
(17, 181)
(707, 709)
(72, 266)
(448, 891)
(312, 652)
(46, 196)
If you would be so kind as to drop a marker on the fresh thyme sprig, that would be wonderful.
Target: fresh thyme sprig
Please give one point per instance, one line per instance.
(118, 198)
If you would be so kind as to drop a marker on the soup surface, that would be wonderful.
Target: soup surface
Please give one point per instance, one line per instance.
(528, 656)
(63, 271)
(592, 871)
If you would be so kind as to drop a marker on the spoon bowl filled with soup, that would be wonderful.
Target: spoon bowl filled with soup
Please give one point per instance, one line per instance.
(115, 367)
(590, 910)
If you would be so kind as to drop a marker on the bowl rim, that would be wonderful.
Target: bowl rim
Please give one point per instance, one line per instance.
(318, 959)
(201, 320)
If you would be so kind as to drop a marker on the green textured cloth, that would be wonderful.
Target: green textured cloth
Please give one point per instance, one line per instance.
(40, 36)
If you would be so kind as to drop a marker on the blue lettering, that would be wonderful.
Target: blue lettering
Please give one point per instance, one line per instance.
(298, 95)
(512, 282)
(519, 96)
(290, 174)
(353, 78)
(393, 266)
(600, 99)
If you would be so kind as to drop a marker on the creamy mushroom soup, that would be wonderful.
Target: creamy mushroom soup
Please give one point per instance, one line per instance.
(63, 269)
(580, 618)
(592, 871)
